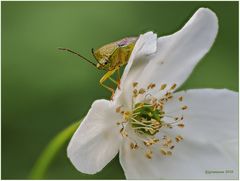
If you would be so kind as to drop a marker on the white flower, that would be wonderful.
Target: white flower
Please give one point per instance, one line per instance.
(160, 134)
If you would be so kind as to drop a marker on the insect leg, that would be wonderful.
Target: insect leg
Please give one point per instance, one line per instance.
(119, 78)
(114, 81)
(105, 77)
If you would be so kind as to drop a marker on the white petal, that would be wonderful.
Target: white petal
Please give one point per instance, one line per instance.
(212, 111)
(208, 146)
(177, 54)
(190, 160)
(145, 45)
(96, 141)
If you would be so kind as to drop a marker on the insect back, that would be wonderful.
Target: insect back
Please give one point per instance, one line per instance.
(115, 54)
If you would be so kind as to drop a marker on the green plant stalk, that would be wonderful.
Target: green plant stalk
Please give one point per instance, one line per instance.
(51, 150)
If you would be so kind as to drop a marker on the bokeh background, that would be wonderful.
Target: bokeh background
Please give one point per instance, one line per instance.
(45, 90)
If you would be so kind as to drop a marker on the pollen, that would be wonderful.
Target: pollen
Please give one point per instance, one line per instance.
(151, 86)
(133, 146)
(180, 125)
(149, 154)
(184, 107)
(118, 109)
(123, 133)
(145, 122)
(173, 86)
(163, 86)
(163, 151)
(135, 93)
(178, 138)
(135, 84)
(180, 98)
(142, 91)
(147, 143)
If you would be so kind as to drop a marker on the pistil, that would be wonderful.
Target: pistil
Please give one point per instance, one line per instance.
(147, 119)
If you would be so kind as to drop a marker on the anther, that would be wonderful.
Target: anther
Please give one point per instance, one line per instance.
(163, 86)
(149, 154)
(163, 151)
(168, 94)
(147, 143)
(123, 133)
(147, 118)
(135, 84)
(178, 138)
(173, 86)
(133, 146)
(151, 86)
(170, 97)
(180, 98)
(180, 125)
(155, 140)
(141, 91)
(135, 93)
(118, 109)
(184, 107)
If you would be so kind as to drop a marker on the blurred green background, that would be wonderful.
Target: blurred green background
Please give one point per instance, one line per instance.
(44, 90)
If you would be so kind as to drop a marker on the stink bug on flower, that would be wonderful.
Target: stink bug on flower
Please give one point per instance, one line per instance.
(110, 58)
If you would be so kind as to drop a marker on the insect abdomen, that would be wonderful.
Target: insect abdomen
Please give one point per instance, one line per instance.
(121, 54)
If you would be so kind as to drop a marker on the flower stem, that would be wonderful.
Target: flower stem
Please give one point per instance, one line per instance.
(48, 154)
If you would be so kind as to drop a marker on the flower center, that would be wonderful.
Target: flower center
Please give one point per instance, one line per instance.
(146, 119)
(149, 121)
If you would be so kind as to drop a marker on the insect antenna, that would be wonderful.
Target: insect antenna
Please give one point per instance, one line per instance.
(71, 51)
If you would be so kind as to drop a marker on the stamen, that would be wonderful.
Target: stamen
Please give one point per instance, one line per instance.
(181, 125)
(163, 152)
(147, 118)
(123, 133)
(141, 91)
(133, 146)
(163, 86)
(151, 86)
(184, 107)
(170, 97)
(148, 154)
(147, 143)
(180, 98)
(118, 109)
(135, 93)
(135, 84)
(173, 86)
(178, 138)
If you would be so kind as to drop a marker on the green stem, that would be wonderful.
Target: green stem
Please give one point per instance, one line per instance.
(48, 154)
